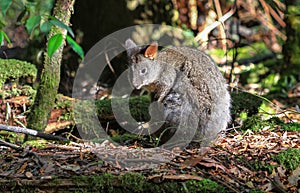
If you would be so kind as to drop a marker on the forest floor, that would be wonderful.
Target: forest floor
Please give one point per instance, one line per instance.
(259, 156)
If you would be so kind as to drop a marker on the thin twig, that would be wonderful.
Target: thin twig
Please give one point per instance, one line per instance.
(7, 144)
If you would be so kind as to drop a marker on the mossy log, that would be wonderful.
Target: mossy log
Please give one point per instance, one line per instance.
(107, 182)
(138, 108)
(88, 113)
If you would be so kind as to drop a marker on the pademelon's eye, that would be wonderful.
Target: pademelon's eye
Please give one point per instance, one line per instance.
(143, 71)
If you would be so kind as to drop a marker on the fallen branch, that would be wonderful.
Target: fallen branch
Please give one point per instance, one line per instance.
(7, 144)
(32, 132)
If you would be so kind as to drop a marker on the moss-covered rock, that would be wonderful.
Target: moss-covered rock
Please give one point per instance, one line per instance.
(16, 71)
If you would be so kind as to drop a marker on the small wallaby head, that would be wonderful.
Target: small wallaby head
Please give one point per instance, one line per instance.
(145, 70)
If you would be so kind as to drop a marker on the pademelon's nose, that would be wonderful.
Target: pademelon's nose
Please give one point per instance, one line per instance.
(137, 86)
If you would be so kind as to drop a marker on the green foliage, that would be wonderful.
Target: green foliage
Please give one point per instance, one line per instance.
(13, 70)
(285, 83)
(60, 24)
(56, 40)
(244, 53)
(75, 47)
(54, 43)
(5, 4)
(35, 17)
(250, 51)
(3, 36)
(289, 158)
(45, 27)
(32, 23)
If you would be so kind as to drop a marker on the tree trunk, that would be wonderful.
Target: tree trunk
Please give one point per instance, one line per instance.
(50, 76)
(291, 49)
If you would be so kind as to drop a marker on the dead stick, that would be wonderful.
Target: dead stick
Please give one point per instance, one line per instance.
(31, 132)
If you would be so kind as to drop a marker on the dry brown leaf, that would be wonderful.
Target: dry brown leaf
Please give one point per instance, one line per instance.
(56, 126)
(20, 100)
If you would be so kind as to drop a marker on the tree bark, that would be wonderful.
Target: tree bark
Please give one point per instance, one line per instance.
(50, 76)
(291, 49)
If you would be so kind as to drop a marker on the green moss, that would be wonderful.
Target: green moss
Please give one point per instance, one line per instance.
(102, 183)
(86, 112)
(205, 186)
(255, 123)
(61, 102)
(243, 102)
(138, 107)
(256, 191)
(105, 183)
(132, 182)
(289, 158)
(128, 182)
(291, 127)
(135, 182)
(40, 144)
(262, 165)
(13, 70)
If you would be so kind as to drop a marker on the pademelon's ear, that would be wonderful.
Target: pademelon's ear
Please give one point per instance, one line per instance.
(131, 48)
(151, 50)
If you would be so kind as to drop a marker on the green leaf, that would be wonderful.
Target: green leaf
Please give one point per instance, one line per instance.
(32, 23)
(1, 37)
(60, 24)
(5, 4)
(46, 26)
(54, 43)
(3, 34)
(76, 47)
